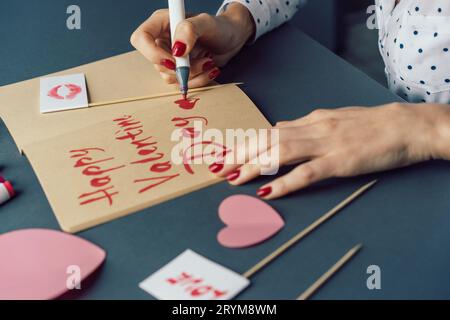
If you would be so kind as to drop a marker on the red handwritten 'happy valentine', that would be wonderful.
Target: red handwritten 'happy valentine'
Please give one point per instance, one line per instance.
(97, 166)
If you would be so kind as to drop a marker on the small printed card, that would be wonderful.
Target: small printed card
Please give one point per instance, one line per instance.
(63, 93)
(191, 276)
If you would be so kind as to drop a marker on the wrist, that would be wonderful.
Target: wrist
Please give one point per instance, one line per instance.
(441, 138)
(240, 18)
(428, 131)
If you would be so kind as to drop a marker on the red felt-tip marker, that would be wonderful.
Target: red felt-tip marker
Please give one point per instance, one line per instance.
(6, 191)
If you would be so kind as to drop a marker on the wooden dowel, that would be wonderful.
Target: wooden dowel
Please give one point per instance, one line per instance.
(331, 272)
(158, 95)
(306, 231)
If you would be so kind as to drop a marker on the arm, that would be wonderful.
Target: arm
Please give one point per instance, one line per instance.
(348, 142)
(211, 41)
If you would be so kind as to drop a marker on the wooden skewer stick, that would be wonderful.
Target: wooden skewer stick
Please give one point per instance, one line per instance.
(159, 95)
(306, 231)
(331, 272)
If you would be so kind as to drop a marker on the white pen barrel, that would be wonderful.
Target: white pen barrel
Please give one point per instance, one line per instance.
(177, 14)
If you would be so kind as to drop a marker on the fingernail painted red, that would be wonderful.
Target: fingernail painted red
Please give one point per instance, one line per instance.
(208, 65)
(214, 74)
(178, 49)
(264, 192)
(234, 175)
(215, 167)
(168, 64)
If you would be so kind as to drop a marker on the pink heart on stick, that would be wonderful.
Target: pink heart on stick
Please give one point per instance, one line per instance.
(249, 221)
(35, 263)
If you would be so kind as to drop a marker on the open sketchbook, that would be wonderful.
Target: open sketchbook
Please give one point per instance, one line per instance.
(98, 164)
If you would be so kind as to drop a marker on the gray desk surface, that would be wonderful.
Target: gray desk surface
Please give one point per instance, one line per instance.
(403, 222)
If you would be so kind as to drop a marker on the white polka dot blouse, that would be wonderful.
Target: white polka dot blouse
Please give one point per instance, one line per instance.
(268, 14)
(414, 40)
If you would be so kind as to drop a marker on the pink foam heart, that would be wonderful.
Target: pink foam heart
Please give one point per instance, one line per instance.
(34, 263)
(249, 221)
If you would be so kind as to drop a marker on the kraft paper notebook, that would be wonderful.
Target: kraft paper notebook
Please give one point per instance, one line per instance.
(98, 164)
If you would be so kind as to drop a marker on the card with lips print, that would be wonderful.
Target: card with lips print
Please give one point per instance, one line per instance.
(63, 93)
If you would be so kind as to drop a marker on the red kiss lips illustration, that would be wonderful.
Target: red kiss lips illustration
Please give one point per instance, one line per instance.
(187, 104)
(74, 90)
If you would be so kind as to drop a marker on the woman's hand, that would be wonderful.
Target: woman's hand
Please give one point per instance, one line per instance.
(347, 142)
(211, 41)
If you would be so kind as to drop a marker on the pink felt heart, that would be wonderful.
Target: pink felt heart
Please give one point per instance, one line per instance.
(249, 221)
(36, 263)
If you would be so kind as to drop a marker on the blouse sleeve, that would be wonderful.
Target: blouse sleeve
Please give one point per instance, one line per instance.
(268, 14)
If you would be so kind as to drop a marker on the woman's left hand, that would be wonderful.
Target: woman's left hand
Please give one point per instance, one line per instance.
(346, 142)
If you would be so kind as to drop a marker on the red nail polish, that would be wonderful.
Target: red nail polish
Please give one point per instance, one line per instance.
(215, 167)
(234, 175)
(178, 49)
(264, 192)
(209, 65)
(214, 74)
(168, 64)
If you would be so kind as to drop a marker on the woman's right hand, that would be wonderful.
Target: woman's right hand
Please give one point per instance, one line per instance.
(211, 41)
